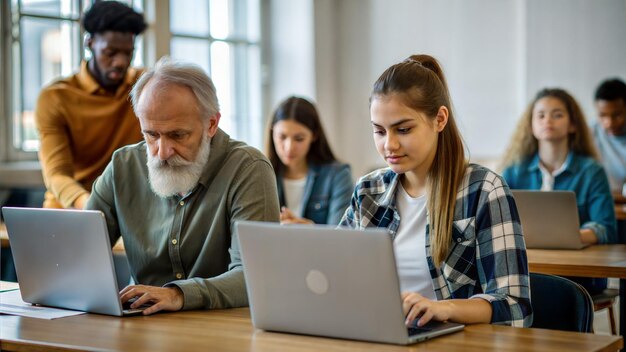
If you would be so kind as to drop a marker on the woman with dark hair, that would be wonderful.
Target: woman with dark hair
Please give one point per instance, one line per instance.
(552, 149)
(457, 238)
(313, 187)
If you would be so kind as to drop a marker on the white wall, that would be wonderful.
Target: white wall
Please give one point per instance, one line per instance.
(292, 50)
(479, 62)
(577, 53)
(496, 54)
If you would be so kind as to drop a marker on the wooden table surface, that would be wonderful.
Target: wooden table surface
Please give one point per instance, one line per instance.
(593, 261)
(620, 211)
(231, 330)
(4, 237)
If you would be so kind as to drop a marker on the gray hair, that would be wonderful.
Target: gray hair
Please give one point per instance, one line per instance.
(184, 74)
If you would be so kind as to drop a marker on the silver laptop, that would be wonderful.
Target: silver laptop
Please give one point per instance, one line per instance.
(63, 259)
(319, 280)
(549, 219)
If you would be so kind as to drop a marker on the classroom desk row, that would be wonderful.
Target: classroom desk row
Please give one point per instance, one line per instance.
(594, 261)
(231, 330)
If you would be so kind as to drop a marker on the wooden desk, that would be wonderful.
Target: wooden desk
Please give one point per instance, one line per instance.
(620, 211)
(594, 261)
(4, 237)
(231, 330)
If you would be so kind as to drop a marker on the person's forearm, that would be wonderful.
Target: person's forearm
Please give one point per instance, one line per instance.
(468, 311)
(66, 190)
(81, 201)
(227, 290)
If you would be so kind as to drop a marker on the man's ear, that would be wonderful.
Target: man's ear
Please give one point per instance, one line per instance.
(89, 42)
(441, 120)
(213, 122)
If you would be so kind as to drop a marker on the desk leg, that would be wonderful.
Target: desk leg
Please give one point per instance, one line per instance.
(622, 309)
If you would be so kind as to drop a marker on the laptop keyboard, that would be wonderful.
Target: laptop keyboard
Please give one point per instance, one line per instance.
(127, 310)
(416, 330)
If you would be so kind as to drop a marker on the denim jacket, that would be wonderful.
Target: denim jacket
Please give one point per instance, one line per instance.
(487, 256)
(327, 192)
(586, 178)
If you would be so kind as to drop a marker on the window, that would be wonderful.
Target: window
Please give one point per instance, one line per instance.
(42, 40)
(44, 45)
(222, 37)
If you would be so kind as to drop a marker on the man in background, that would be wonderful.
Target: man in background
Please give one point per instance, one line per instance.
(83, 118)
(610, 130)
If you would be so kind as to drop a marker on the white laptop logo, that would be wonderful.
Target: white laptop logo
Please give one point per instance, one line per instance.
(317, 282)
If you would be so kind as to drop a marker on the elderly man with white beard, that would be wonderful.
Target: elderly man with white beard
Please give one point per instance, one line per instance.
(175, 197)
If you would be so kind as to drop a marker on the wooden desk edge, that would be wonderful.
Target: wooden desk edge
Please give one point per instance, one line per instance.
(616, 345)
(4, 236)
(594, 342)
(576, 270)
(37, 346)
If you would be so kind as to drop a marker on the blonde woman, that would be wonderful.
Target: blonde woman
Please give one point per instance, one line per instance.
(458, 243)
(552, 149)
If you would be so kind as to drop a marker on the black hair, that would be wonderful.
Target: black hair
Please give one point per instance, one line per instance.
(112, 16)
(611, 89)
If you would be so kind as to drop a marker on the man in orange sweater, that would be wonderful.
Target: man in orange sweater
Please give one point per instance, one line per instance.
(84, 118)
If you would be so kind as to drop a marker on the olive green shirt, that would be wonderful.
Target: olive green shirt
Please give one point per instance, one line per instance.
(188, 241)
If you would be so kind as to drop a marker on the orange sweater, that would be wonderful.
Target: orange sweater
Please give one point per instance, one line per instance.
(80, 126)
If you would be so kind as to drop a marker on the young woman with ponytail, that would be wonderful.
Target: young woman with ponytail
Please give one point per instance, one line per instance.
(457, 236)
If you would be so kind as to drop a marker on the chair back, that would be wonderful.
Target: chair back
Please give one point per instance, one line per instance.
(560, 304)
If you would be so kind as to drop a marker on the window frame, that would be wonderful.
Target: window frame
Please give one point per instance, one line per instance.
(5, 85)
(241, 101)
(12, 37)
(156, 43)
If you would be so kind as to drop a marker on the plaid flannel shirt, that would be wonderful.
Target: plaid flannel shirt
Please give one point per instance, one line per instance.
(487, 256)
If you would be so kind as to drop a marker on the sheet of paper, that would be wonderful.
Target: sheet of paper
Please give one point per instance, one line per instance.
(11, 303)
(8, 286)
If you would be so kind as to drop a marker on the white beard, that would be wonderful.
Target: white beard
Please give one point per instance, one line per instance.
(177, 175)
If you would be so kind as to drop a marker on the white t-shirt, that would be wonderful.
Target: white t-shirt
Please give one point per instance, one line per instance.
(294, 192)
(547, 177)
(410, 245)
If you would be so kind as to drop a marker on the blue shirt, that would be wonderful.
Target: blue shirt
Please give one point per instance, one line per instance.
(327, 192)
(613, 152)
(487, 256)
(582, 175)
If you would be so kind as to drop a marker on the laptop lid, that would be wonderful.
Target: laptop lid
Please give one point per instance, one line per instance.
(63, 259)
(549, 219)
(320, 280)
